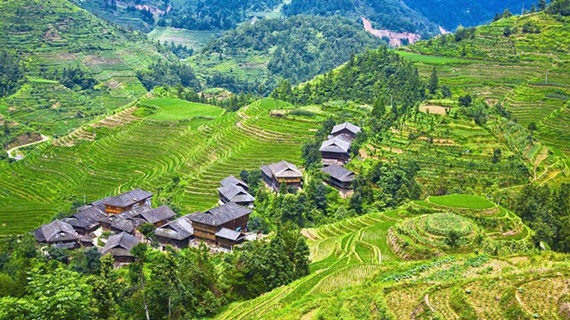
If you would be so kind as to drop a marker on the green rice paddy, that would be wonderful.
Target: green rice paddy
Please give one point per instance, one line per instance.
(170, 109)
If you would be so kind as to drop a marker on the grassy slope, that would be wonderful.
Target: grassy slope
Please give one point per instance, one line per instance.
(53, 34)
(175, 109)
(356, 275)
(511, 69)
(124, 155)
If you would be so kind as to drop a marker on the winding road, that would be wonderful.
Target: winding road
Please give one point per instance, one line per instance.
(20, 157)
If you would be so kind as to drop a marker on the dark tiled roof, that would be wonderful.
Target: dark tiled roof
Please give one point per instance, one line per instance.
(336, 145)
(178, 229)
(220, 215)
(101, 203)
(128, 198)
(56, 231)
(282, 169)
(122, 224)
(235, 193)
(86, 218)
(348, 126)
(155, 215)
(122, 241)
(229, 234)
(231, 180)
(339, 172)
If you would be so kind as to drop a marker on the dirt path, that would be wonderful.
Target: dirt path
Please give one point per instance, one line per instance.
(20, 157)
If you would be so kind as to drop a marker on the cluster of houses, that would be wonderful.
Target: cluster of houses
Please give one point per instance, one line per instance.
(223, 226)
(335, 152)
(123, 215)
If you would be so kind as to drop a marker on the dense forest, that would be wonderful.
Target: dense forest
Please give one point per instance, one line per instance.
(377, 76)
(384, 14)
(80, 284)
(213, 15)
(299, 48)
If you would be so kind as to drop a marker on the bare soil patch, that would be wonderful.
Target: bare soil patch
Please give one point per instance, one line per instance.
(434, 109)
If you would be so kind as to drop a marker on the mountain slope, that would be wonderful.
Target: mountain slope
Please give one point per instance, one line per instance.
(521, 61)
(53, 35)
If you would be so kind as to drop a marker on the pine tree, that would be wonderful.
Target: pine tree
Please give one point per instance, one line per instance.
(301, 257)
(433, 82)
(497, 17)
(533, 8)
(541, 5)
(507, 13)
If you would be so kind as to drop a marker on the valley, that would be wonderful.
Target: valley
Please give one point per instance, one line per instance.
(191, 159)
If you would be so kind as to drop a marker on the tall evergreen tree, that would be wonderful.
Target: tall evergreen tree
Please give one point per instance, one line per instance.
(301, 258)
(433, 82)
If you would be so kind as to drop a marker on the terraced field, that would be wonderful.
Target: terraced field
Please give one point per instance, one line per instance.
(124, 155)
(356, 275)
(54, 34)
(527, 71)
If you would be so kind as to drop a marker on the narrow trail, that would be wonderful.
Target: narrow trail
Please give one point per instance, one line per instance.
(19, 157)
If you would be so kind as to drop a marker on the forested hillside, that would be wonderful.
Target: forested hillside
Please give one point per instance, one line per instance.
(62, 67)
(296, 49)
(518, 61)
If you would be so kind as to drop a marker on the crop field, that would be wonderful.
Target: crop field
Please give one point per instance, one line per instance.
(170, 109)
(452, 153)
(462, 201)
(200, 153)
(356, 275)
(514, 70)
(75, 38)
(194, 39)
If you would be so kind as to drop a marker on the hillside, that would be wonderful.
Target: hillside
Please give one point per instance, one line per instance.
(296, 49)
(357, 271)
(76, 67)
(526, 71)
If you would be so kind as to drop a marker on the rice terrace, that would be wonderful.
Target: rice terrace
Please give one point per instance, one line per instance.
(295, 159)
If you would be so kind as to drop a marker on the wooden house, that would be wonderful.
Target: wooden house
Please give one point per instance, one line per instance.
(230, 216)
(86, 220)
(346, 130)
(235, 190)
(227, 238)
(335, 150)
(177, 233)
(339, 177)
(231, 180)
(119, 246)
(57, 233)
(283, 171)
(157, 216)
(126, 201)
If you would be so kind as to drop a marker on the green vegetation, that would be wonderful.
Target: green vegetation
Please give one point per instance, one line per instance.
(524, 72)
(298, 49)
(76, 67)
(81, 285)
(462, 201)
(174, 110)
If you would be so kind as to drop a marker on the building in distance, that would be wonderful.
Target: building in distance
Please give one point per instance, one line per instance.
(282, 172)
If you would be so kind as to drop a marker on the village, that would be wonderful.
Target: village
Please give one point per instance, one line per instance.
(221, 228)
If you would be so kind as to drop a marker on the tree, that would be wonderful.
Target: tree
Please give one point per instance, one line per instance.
(507, 13)
(497, 17)
(433, 82)
(541, 5)
(496, 155)
(446, 92)
(533, 8)
(301, 258)
(106, 289)
(136, 270)
(61, 295)
(465, 101)
(532, 128)
(507, 31)
(452, 239)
